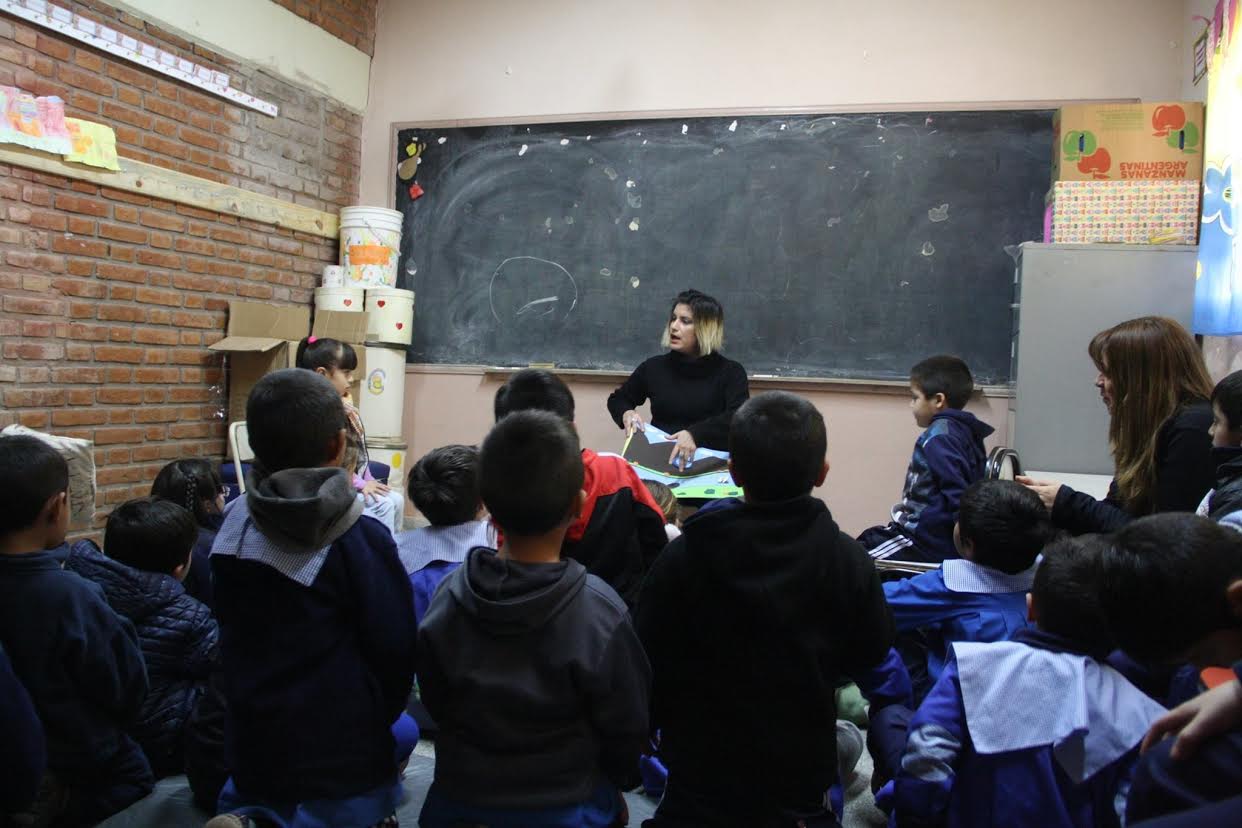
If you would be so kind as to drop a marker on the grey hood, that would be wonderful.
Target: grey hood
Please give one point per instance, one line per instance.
(303, 509)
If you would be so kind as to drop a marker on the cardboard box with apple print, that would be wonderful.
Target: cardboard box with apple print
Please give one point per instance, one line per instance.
(1125, 142)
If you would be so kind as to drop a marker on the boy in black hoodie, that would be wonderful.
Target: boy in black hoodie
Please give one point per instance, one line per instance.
(79, 661)
(528, 664)
(750, 618)
(148, 544)
(317, 630)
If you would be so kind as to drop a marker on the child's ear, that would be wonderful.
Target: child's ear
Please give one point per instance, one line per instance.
(1031, 614)
(940, 401)
(179, 572)
(579, 505)
(321, 371)
(54, 510)
(737, 480)
(336, 449)
(1233, 594)
(822, 476)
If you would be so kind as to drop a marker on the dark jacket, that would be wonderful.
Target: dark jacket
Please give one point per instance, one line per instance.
(537, 681)
(750, 620)
(317, 638)
(197, 582)
(1226, 496)
(179, 641)
(621, 529)
(948, 457)
(23, 754)
(1184, 471)
(698, 395)
(83, 668)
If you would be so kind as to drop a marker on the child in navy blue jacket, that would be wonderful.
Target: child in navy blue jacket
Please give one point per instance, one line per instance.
(444, 487)
(528, 663)
(79, 661)
(317, 631)
(751, 619)
(1173, 592)
(980, 597)
(948, 457)
(148, 544)
(1037, 730)
(23, 751)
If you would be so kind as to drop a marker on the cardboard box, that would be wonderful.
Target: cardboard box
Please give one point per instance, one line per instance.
(260, 339)
(1116, 142)
(347, 327)
(1125, 212)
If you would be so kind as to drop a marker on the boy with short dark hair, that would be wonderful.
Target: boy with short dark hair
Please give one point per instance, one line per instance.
(79, 660)
(1001, 528)
(751, 619)
(948, 457)
(1226, 496)
(529, 664)
(148, 545)
(1172, 591)
(620, 530)
(1033, 731)
(444, 487)
(317, 630)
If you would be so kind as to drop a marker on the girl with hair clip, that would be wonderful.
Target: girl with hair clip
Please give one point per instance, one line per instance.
(337, 361)
(1155, 384)
(196, 484)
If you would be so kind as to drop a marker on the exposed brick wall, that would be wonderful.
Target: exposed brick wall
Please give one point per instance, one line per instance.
(108, 299)
(353, 21)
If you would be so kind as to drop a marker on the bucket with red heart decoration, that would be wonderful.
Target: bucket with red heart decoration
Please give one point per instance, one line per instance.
(345, 299)
(382, 402)
(390, 315)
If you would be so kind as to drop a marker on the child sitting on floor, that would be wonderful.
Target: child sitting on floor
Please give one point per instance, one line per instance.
(444, 487)
(1034, 731)
(1226, 497)
(77, 658)
(148, 544)
(1001, 528)
(751, 618)
(529, 664)
(667, 501)
(948, 457)
(620, 529)
(1172, 591)
(196, 484)
(317, 630)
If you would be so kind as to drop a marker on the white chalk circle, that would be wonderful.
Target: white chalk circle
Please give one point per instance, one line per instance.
(526, 288)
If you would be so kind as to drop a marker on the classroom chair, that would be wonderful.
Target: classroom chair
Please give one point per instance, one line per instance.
(1002, 464)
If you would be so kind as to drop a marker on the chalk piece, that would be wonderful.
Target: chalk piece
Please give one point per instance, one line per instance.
(547, 366)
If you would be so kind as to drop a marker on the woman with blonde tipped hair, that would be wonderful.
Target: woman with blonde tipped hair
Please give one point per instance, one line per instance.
(1154, 382)
(694, 389)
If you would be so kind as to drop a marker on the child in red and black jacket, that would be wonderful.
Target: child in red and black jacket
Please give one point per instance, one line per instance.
(621, 528)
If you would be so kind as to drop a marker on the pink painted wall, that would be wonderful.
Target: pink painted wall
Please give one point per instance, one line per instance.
(870, 435)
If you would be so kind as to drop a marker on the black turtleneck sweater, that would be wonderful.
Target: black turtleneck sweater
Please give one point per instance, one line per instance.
(696, 394)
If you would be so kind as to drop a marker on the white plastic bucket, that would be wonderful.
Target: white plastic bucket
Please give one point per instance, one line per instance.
(383, 392)
(393, 454)
(370, 244)
(390, 315)
(346, 299)
(333, 276)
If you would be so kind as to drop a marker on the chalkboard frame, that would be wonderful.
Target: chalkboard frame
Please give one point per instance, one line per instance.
(858, 384)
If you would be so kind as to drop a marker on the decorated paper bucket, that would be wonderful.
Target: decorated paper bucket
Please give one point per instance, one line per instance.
(393, 454)
(333, 276)
(391, 315)
(370, 244)
(383, 392)
(340, 299)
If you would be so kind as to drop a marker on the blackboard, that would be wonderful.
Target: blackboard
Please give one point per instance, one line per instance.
(840, 245)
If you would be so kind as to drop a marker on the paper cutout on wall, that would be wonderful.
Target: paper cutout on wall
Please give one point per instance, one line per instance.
(37, 123)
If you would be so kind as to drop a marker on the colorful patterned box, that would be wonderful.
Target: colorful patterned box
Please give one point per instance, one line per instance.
(1123, 212)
